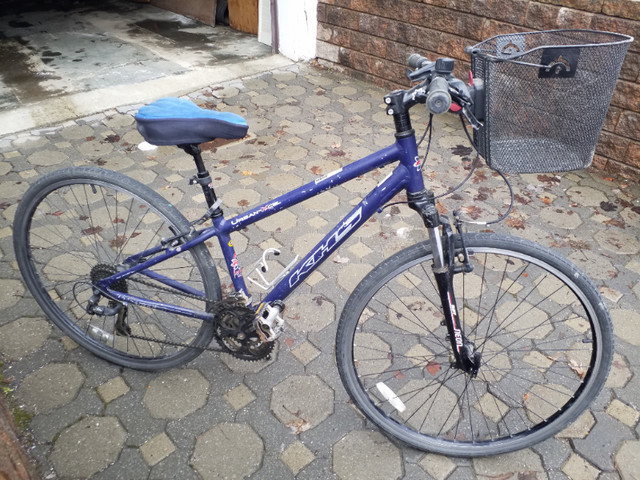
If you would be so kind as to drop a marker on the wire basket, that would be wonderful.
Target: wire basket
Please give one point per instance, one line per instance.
(546, 97)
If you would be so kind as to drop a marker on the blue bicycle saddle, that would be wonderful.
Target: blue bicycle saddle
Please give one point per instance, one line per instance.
(176, 121)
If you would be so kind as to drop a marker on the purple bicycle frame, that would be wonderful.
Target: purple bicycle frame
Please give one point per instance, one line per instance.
(407, 175)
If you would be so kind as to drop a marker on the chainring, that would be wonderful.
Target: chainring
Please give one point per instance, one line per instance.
(236, 332)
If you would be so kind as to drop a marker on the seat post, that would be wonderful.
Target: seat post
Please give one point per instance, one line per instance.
(202, 177)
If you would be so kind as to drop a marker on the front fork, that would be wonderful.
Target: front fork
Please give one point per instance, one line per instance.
(466, 357)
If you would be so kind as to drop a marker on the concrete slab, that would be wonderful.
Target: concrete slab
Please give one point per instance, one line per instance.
(67, 63)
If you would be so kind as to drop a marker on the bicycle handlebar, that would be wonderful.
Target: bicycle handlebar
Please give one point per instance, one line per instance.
(439, 88)
(417, 61)
(438, 97)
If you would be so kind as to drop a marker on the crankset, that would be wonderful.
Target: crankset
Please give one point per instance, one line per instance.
(236, 331)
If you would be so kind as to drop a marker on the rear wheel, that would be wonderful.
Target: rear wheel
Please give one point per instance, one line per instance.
(75, 227)
(540, 326)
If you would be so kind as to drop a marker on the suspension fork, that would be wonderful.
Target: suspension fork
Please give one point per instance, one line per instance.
(442, 247)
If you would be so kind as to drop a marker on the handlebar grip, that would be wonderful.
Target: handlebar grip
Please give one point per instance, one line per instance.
(417, 61)
(438, 97)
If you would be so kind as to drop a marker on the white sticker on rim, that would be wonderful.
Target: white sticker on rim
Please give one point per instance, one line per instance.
(391, 397)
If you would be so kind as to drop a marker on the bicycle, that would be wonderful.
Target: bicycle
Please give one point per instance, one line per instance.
(464, 344)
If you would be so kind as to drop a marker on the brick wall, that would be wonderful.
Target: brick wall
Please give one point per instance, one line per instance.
(371, 39)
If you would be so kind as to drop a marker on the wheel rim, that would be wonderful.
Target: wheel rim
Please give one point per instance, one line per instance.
(80, 231)
(532, 359)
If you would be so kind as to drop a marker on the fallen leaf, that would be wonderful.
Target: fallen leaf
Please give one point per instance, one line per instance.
(92, 230)
(608, 206)
(298, 426)
(515, 222)
(462, 150)
(118, 242)
(289, 342)
(442, 210)
(577, 368)
(473, 211)
(549, 179)
(616, 223)
(319, 299)
(433, 368)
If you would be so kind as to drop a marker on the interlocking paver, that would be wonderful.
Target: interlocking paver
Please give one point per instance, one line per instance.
(309, 312)
(297, 456)
(580, 428)
(23, 336)
(625, 323)
(112, 389)
(305, 352)
(577, 468)
(176, 394)
(228, 450)
(157, 449)
(290, 415)
(302, 402)
(88, 447)
(239, 397)
(623, 412)
(366, 455)
(627, 460)
(438, 466)
(52, 386)
(519, 464)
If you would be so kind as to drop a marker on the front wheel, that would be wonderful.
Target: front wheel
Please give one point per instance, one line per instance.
(541, 327)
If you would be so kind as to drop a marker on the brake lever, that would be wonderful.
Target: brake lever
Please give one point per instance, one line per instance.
(473, 121)
(421, 73)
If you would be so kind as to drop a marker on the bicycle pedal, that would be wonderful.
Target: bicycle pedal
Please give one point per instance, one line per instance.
(270, 324)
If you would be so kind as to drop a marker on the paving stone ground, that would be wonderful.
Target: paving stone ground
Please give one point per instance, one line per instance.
(219, 417)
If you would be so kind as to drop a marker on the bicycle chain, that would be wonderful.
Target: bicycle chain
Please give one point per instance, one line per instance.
(223, 348)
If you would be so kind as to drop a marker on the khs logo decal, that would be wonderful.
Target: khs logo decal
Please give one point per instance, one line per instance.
(317, 257)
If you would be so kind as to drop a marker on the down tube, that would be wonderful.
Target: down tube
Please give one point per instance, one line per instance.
(384, 192)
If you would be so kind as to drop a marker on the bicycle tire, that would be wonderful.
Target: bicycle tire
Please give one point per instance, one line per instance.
(544, 332)
(76, 225)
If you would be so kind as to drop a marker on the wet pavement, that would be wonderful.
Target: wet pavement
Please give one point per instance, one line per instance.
(219, 417)
(58, 64)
